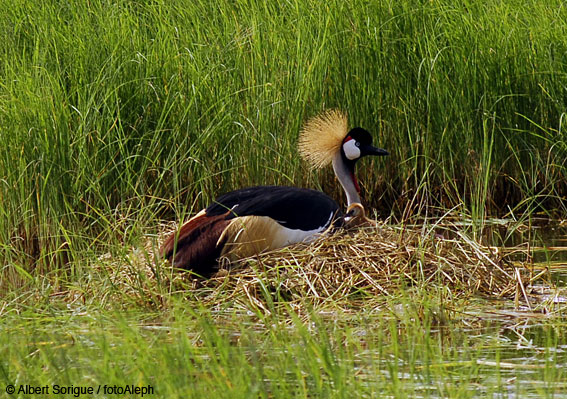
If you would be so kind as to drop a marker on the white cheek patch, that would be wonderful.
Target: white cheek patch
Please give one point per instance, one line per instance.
(351, 150)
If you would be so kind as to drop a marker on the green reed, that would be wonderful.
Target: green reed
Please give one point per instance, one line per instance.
(114, 114)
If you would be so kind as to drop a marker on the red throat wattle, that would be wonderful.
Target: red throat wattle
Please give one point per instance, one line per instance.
(355, 182)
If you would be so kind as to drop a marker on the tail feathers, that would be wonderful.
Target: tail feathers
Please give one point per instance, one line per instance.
(168, 246)
(198, 244)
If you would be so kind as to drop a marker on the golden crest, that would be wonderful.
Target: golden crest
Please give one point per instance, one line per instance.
(322, 136)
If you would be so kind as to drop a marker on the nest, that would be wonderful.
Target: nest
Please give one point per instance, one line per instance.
(347, 269)
(367, 263)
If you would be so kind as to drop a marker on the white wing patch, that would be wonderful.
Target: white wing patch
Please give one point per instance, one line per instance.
(250, 235)
(292, 236)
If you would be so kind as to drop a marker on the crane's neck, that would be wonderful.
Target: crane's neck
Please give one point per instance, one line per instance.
(345, 174)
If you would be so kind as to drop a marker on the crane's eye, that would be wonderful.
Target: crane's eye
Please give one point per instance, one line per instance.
(357, 144)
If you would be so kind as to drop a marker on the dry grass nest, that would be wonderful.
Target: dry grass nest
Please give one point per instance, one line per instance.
(367, 262)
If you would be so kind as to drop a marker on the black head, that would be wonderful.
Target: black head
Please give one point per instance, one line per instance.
(358, 143)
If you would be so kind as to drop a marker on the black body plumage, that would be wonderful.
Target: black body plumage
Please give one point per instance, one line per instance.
(292, 207)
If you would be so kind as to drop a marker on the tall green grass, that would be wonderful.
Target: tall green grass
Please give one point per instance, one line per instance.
(114, 114)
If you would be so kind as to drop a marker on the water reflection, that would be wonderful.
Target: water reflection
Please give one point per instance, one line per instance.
(541, 243)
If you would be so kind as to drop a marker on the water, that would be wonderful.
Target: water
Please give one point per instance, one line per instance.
(543, 244)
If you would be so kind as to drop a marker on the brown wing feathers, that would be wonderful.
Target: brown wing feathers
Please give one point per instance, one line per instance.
(203, 239)
(196, 245)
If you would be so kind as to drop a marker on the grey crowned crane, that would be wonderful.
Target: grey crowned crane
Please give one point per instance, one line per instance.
(248, 221)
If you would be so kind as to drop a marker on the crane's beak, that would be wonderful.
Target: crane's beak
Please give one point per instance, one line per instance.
(370, 150)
